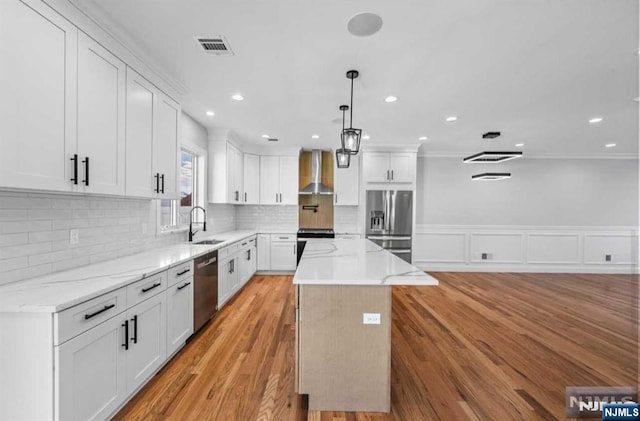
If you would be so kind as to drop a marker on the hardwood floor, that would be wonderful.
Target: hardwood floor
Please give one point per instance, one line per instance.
(478, 347)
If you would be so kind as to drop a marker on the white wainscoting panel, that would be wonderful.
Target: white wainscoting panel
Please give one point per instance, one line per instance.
(553, 248)
(619, 246)
(440, 247)
(565, 249)
(501, 247)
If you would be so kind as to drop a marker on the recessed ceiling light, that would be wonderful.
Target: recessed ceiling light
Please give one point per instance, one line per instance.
(315, 136)
(451, 118)
(364, 24)
(519, 145)
(422, 138)
(265, 136)
(610, 145)
(366, 137)
(210, 113)
(596, 120)
(390, 98)
(237, 97)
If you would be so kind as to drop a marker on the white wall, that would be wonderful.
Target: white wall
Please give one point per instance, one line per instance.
(553, 215)
(192, 133)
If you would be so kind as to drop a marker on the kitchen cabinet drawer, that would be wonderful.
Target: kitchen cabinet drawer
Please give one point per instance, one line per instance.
(283, 237)
(82, 317)
(179, 273)
(146, 288)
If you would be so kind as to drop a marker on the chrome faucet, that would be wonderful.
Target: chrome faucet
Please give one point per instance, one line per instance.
(204, 224)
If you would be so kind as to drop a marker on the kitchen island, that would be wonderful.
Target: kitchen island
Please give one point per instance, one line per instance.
(343, 323)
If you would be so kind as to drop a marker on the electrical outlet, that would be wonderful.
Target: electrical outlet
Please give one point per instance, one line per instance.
(370, 318)
(144, 228)
(74, 236)
(608, 257)
(485, 256)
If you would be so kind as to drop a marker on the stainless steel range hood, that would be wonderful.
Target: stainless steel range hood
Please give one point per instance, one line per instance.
(316, 186)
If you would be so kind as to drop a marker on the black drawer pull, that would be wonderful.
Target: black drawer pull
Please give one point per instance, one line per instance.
(126, 335)
(151, 287)
(183, 272)
(135, 329)
(86, 171)
(105, 308)
(186, 284)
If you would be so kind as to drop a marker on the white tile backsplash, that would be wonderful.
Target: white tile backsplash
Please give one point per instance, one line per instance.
(345, 219)
(34, 231)
(267, 218)
(221, 218)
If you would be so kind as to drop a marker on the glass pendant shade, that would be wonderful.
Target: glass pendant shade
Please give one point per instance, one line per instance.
(343, 158)
(351, 140)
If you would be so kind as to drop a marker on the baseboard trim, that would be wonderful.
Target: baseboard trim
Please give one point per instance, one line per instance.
(528, 268)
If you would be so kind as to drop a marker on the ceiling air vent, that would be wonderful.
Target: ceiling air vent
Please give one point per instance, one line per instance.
(215, 45)
(272, 139)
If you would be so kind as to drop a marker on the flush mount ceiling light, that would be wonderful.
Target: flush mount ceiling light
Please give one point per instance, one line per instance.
(366, 137)
(364, 24)
(265, 136)
(492, 157)
(343, 157)
(210, 113)
(610, 145)
(315, 136)
(519, 145)
(351, 137)
(237, 97)
(491, 176)
(390, 98)
(451, 119)
(596, 120)
(422, 138)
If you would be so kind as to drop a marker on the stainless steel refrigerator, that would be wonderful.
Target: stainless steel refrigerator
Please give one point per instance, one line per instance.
(389, 220)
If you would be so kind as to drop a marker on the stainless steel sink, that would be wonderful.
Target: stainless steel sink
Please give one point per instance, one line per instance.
(210, 242)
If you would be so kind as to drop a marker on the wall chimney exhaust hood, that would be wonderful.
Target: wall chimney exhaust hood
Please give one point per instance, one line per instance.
(316, 186)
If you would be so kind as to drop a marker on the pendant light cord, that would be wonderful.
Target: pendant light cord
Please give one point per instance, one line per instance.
(351, 109)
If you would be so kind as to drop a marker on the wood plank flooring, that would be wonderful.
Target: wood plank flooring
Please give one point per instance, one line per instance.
(481, 346)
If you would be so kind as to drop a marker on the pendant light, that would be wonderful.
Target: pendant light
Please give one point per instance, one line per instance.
(351, 136)
(343, 158)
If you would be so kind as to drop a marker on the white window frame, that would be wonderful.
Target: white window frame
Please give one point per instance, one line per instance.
(200, 189)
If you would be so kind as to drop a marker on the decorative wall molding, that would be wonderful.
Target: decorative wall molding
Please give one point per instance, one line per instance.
(571, 249)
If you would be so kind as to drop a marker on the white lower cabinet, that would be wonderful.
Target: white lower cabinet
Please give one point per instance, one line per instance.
(237, 265)
(179, 314)
(90, 374)
(264, 252)
(147, 347)
(283, 252)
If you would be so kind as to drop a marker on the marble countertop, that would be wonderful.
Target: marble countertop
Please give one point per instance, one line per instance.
(355, 262)
(58, 291)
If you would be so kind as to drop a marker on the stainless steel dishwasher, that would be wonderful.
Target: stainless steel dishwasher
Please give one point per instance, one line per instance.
(205, 289)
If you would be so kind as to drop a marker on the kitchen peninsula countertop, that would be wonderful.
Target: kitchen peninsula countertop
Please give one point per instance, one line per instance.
(355, 262)
(58, 291)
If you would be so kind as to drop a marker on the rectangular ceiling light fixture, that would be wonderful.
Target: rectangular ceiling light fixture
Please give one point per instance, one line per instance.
(490, 135)
(492, 157)
(491, 176)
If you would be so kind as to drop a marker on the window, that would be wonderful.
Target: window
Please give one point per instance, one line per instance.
(174, 213)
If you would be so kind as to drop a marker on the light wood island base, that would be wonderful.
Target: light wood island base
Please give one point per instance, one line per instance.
(341, 363)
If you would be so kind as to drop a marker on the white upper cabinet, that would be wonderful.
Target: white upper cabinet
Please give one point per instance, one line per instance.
(279, 180)
(347, 183)
(251, 179)
(165, 148)
(101, 117)
(142, 100)
(226, 173)
(389, 167)
(37, 97)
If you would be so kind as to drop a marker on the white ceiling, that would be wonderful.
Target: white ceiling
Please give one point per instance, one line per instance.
(536, 70)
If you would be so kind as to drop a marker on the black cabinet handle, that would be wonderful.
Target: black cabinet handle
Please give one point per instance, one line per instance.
(245, 197)
(162, 178)
(75, 168)
(186, 284)
(157, 177)
(391, 175)
(105, 308)
(126, 335)
(183, 272)
(237, 195)
(86, 171)
(135, 329)
(151, 287)
(249, 254)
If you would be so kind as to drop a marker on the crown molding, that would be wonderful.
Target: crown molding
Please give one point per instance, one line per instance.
(100, 18)
(382, 147)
